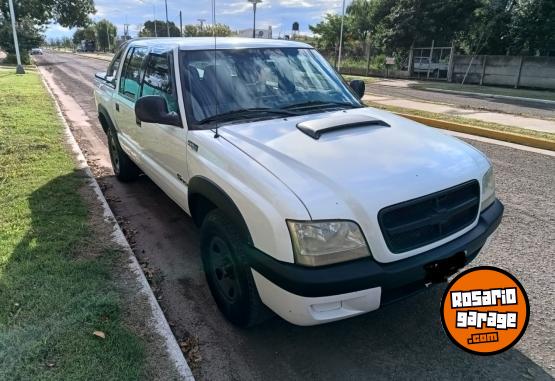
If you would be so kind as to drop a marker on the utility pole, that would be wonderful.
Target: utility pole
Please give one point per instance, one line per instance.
(107, 35)
(180, 24)
(155, 23)
(254, 2)
(167, 23)
(341, 39)
(201, 21)
(19, 69)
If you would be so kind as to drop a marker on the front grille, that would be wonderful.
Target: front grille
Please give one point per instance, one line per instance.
(424, 220)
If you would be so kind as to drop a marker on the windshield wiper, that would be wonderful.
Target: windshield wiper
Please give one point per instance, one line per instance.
(245, 112)
(319, 104)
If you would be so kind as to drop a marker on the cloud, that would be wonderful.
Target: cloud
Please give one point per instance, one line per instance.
(236, 13)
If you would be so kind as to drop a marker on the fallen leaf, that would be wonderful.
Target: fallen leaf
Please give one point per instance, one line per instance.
(99, 334)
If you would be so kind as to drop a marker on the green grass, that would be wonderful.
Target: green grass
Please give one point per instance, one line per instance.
(461, 120)
(491, 90)
(55, 283)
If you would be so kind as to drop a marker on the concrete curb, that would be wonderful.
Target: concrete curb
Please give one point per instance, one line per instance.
(158, 320)
(496, 96)
(484, 132)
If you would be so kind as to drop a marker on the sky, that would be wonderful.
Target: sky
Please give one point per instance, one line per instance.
(280, 14)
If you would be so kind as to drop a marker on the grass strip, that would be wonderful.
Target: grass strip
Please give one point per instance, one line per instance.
(56, 287)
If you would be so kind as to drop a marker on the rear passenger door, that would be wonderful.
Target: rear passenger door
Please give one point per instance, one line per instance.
(164, 146)
(127, 94)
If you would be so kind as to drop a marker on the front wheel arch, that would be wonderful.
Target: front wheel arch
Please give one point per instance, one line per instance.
(204, 195)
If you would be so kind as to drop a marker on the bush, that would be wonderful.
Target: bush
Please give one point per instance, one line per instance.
(11, 59)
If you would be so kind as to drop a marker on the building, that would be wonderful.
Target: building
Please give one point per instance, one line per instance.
(260, 33)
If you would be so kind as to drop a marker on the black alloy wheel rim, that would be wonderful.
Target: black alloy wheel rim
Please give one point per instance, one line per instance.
(114, 154)
(223, 270)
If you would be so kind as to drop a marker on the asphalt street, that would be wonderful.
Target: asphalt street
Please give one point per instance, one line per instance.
(467, 101)
(402, 341)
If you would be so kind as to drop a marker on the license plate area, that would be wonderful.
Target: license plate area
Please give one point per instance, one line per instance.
(439, 271)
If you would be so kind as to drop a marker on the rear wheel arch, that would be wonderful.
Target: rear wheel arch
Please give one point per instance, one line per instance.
(204, 196)
(104, 118)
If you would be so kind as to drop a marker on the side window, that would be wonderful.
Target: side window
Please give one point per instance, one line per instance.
(158, 79)
(130, 82)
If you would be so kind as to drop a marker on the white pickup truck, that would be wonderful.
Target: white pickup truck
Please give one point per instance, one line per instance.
(308, 203)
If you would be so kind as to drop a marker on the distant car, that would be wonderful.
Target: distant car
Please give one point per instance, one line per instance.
(36, 51)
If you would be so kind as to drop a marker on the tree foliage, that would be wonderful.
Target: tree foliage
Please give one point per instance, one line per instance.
(220, 30)
(32, 15)
(106, 33)
(29, 36)
(88, 33)
(477, 26)
(69, 14)
(158, 28)
(189, 30)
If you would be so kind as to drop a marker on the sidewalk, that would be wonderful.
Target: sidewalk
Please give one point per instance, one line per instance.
(485, 116)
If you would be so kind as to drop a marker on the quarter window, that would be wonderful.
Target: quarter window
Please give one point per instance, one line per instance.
(130, 82)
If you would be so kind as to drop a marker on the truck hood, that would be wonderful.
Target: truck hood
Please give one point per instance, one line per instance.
(353, 173)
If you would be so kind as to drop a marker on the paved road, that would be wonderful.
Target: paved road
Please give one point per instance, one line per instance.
(402, 341)
(517, 107)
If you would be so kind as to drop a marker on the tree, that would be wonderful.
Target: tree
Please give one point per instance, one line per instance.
(106, 33)
(532, 28)
(88, 33)
(33, 15)
(160, 30)
(29, 35)
(328, 31)
(69, 14)
(219, 30)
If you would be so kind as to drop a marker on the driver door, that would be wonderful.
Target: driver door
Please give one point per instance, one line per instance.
(164, 146)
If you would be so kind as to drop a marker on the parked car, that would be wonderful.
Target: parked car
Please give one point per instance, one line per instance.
(36, 51)
(423, 64)
(308, 203)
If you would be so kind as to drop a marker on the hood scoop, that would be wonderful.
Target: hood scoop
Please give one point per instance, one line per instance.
(315, 128)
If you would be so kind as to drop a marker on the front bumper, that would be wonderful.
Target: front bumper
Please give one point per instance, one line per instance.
(306, 295)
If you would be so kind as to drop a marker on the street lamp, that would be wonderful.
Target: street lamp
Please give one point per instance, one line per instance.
(341, 39)
(19, 69)
(254, 2)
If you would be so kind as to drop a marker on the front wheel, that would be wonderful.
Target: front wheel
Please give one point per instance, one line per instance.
(228, 273)
(124, 168)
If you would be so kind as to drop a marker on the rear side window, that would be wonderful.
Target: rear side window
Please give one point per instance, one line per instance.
(130, 83)
(158, 79)
(114, 65)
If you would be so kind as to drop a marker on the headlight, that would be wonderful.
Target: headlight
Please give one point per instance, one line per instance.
(488, 189)
(318, 243)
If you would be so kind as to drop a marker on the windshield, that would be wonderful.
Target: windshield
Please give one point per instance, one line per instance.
(231, 85)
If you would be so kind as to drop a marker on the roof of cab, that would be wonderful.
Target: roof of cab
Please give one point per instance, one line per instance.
(200, 43)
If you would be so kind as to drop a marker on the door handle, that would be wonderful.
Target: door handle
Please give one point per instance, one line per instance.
(117, 107)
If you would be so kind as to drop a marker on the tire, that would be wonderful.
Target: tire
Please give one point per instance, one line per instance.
(228, 274)
(124, 168)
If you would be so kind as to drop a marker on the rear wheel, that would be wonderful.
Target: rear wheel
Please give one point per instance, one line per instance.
(124, 168)
(227, 271)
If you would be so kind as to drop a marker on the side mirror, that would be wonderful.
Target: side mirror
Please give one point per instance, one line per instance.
(154, 109)
(101, 76)
(358, 86)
